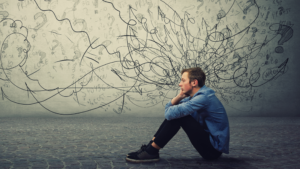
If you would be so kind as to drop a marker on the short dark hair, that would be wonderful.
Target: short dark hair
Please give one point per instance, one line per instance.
(196, 73)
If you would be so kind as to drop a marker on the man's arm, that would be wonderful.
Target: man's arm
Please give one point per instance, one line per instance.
(186, 108)
(178, 98)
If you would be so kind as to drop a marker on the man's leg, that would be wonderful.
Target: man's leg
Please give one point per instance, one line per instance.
(198, 137)
(166, 132)
(165, 126)
(150, 153)
(196, 133)
(150, 143)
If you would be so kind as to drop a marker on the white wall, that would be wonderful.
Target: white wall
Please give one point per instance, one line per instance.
(105, 58)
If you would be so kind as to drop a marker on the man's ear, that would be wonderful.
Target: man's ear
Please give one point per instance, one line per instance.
(195, 82)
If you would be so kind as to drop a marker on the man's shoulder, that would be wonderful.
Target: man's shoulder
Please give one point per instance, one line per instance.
(204, 90)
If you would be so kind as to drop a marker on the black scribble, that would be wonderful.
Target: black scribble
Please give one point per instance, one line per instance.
(144, 69)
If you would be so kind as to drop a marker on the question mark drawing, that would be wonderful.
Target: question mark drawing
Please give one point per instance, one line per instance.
(281, 9)
(105, 43)
(81, 21)
(286, 33)
(199, 6)
(4, 15)
(40, 15)
(113, 19)
(247, 6)
(58, 44)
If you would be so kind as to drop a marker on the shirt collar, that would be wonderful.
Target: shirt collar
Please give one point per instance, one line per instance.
(199, 91)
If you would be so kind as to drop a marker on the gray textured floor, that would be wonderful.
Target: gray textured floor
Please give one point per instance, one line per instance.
(256, 142)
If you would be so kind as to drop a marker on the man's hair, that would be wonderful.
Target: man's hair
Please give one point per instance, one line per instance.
(196, 73)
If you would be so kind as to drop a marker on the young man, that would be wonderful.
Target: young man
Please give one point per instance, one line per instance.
(201, 115)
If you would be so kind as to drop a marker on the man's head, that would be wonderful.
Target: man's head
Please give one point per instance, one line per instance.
(192, 80)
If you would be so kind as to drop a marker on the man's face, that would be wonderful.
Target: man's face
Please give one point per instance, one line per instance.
(185, 84)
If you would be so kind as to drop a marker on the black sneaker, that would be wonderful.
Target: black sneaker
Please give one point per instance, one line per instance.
(140, 150)
(142, 157)
(136, 152)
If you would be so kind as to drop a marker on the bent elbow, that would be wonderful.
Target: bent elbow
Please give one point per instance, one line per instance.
(167, 106)
(167, 116)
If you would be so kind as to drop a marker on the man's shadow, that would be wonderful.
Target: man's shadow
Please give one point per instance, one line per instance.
(223, 162)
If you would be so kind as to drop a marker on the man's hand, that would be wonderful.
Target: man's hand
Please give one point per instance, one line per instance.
(179, 97)
(182, 95)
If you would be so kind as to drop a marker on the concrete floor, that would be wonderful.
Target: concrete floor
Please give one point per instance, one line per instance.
(103, 142)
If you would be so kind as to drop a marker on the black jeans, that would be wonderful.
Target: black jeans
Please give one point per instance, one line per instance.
(198, 137)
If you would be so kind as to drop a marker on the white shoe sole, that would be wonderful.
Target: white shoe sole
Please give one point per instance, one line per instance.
(141, 161)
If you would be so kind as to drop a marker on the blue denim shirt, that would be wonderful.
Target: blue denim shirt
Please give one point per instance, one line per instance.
(207, 109)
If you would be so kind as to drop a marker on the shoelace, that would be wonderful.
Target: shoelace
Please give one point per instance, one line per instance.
(144, 146)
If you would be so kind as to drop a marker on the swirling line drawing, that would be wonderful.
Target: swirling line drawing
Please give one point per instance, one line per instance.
(146, 68)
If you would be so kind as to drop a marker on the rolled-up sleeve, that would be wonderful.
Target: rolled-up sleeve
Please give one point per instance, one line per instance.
(186, 107)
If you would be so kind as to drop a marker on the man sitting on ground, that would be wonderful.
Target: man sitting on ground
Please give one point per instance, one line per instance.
(201, 115)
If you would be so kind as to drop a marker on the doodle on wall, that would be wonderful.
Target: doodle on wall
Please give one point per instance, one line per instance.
(117, 55)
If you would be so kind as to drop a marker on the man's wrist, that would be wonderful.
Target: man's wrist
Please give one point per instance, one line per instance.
(181, 96)
(177, 99)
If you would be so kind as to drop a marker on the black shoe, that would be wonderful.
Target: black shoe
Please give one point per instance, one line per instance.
(140, 150)
(142, 157)
(136, 152)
